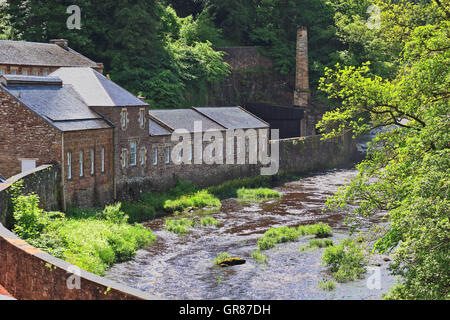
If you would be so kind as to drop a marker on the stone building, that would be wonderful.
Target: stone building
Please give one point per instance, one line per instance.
(40, 59)
(44, 121)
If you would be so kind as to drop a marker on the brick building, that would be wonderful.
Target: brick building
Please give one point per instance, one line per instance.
(46, 122)
(40, 59)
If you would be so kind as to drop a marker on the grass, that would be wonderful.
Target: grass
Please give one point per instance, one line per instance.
(198, 200)
(221, 256)
(180, 226)
(259, 257)
(346, 261)
(327, 285)
(315, 244)
(257, 194)
(93, 240)
(209, 221)
(274, 236)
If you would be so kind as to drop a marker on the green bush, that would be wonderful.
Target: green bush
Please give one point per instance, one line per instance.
(346, 261)
(320, 230)
(114, 214)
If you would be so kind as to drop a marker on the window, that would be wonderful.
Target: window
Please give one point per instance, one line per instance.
(2, 71)
(13, 71)
(142, 118)
(190, 152)
(124, 119)
(103, 159)
(124, 158)
(167, 155)
(25, 72)
(36, 72)
(92, 161)
(155, 156)
(45, 73)
(81, 164)
(143, 156)
(133, 153)
(69, 165)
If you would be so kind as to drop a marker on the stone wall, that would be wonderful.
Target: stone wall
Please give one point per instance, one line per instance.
(24, 135)
(307, 154)
(253, 79)
(30, 274)
(43, 181)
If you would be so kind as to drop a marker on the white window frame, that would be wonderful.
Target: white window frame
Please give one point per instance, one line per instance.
(142, 118)
(103, 160)
(69, 165)
(133, 154)
(81, 164)
(167, 150)
(92, 161)
(155, 156)
(2, 71)
(142, 154)
(124, 157)
(124, 119)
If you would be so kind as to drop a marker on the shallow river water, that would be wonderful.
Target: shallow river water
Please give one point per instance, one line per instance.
(180, 266)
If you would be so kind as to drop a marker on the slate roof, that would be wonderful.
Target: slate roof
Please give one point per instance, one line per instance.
(184, 119)
(97, 90)
(233, 118)
(41, 54)
(61, 106)
(20, 80)
(157, 130)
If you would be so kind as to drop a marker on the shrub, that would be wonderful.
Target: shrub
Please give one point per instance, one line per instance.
(346, 261)
(114, 214)
(320, 230)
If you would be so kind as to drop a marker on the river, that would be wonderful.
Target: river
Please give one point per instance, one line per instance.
(180, 266)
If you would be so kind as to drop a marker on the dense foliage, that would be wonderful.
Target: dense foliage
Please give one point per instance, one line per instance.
(92, 243)
(407, 173)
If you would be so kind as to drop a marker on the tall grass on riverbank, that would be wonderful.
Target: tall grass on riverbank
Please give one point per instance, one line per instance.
(94, 241)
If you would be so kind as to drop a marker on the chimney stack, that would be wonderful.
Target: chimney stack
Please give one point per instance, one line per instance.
(63, 43)
(302, 93)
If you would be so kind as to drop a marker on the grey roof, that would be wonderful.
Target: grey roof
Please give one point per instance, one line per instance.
(184, 119)
(157, 130)
(233, 118)
(60, 106)
(97, 90)
(41, 54)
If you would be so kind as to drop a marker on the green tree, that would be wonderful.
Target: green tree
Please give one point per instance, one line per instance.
(407, 173)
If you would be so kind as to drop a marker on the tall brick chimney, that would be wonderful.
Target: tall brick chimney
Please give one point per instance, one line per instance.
(302, 93)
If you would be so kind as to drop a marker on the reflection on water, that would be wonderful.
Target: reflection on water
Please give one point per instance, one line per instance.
(180, 266)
